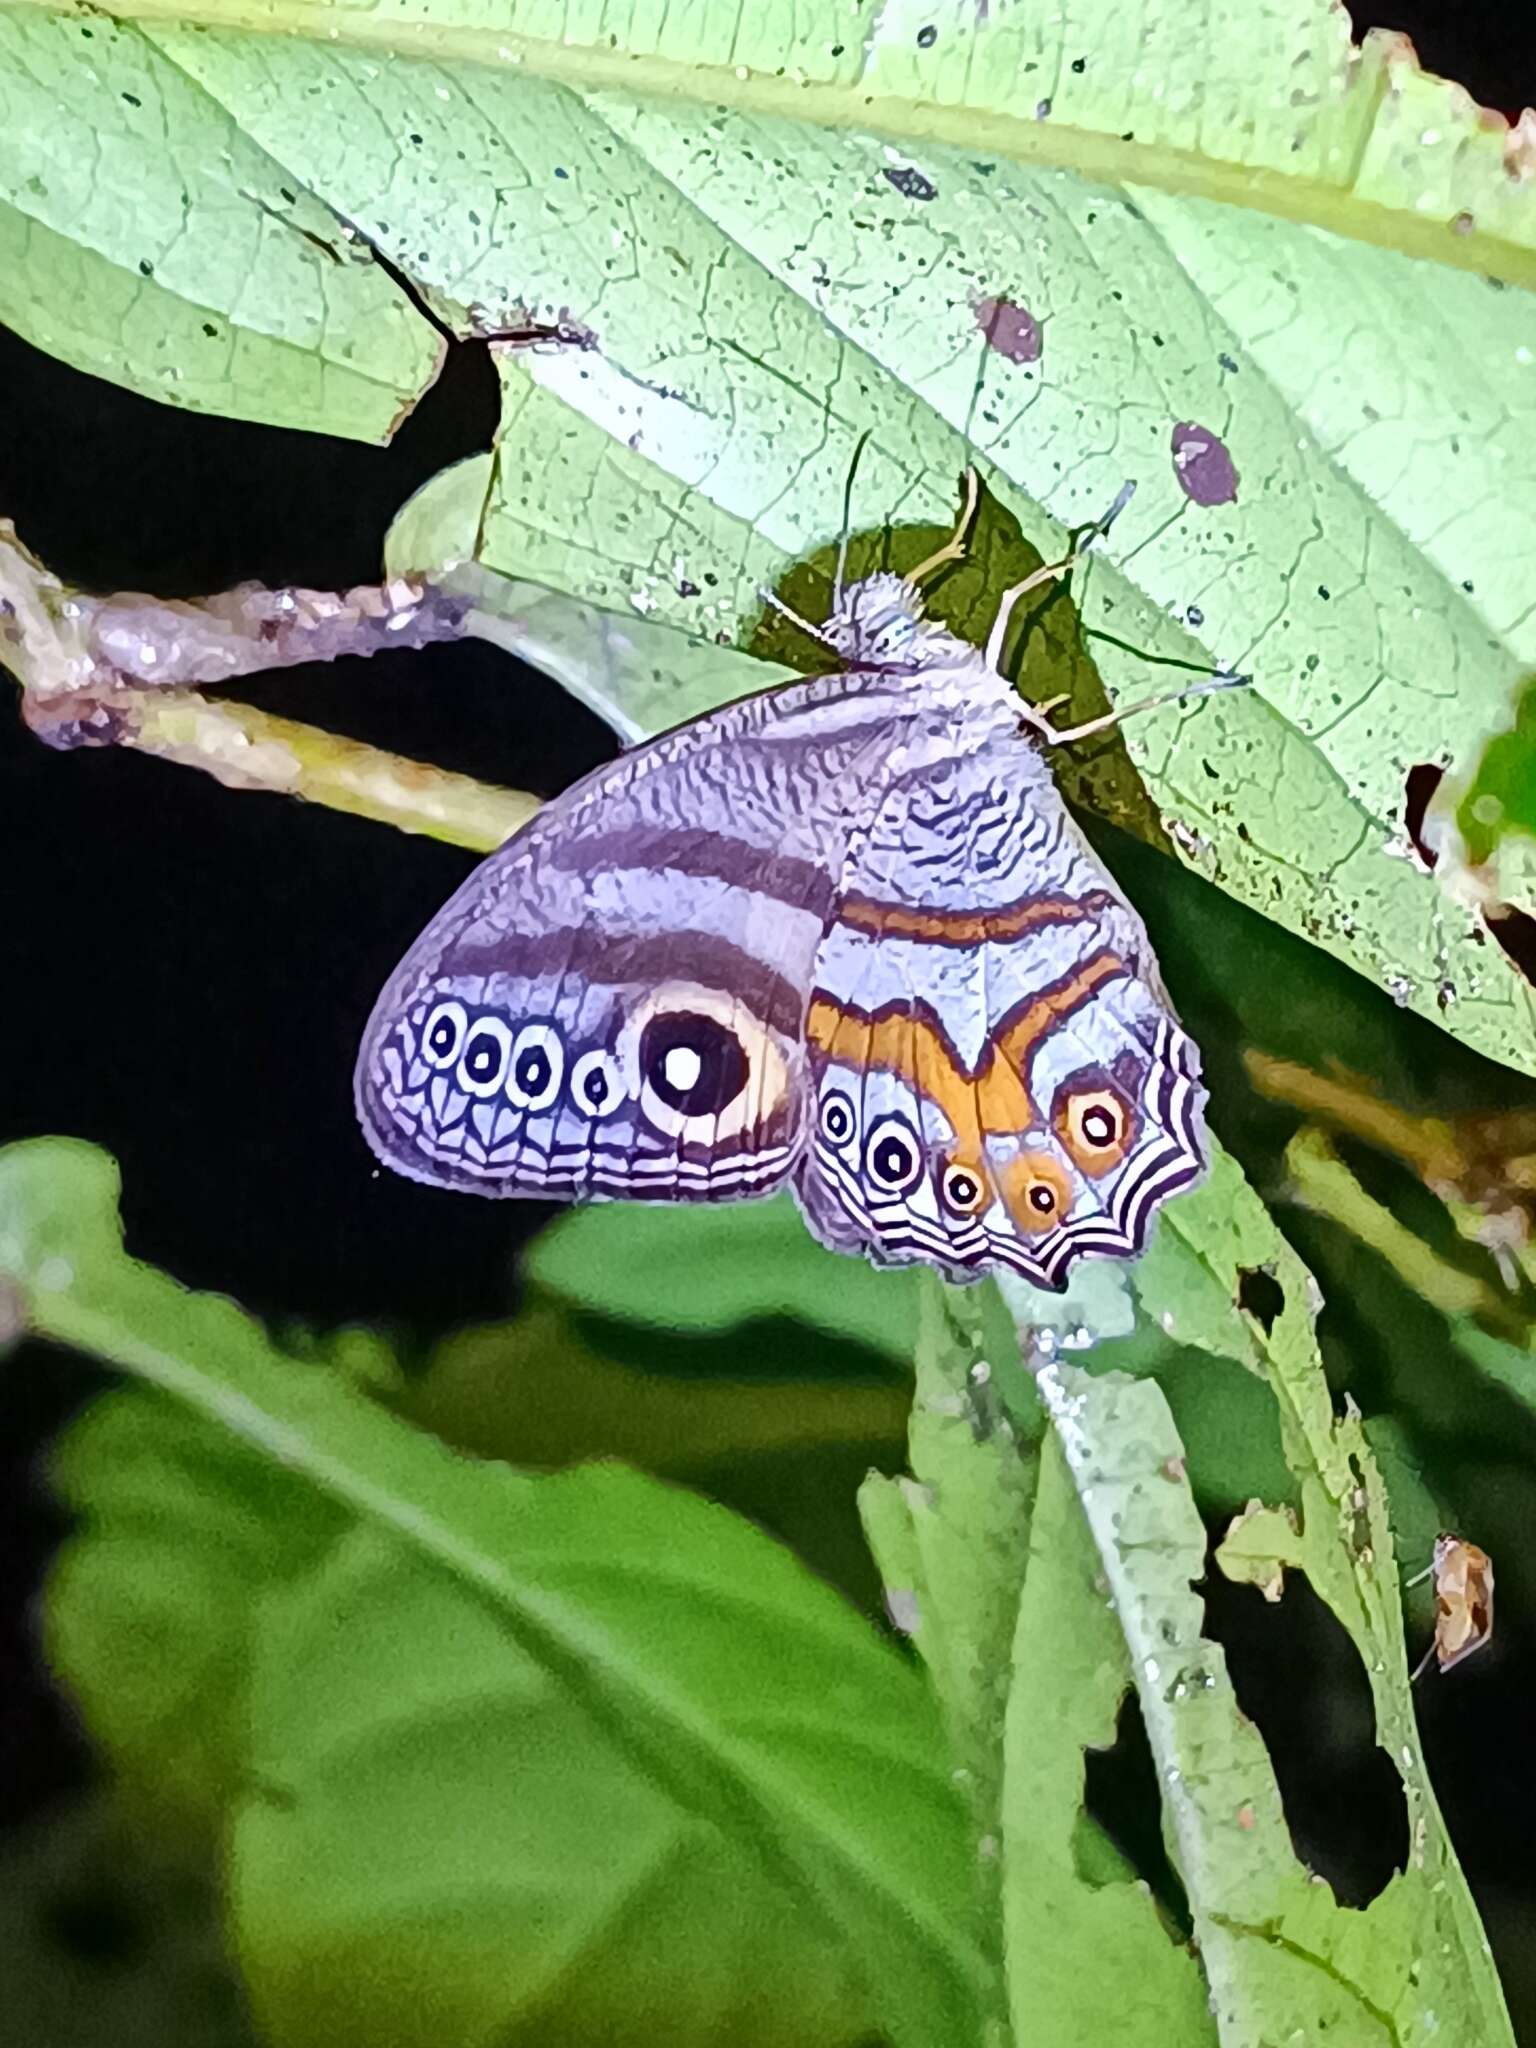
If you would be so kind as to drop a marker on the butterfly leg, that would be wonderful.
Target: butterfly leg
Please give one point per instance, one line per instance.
(1035, 714)
(1047, 573)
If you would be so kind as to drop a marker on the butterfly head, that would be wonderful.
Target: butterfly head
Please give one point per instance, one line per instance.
(878, 619)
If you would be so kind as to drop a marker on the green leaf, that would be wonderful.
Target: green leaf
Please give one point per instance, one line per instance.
(548, 1389)
(1279, 1952)
(733, 1678)
(145, 236)
(705, 1269)
(150, 1603)
(1088, 1963)
(458, 1849)
(1162, 199)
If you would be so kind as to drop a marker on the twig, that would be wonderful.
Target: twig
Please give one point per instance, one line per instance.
(120, 671)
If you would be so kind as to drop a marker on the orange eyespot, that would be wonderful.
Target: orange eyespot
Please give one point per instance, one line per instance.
(1038, 1191)
(1095, 1125)
(964, 1188)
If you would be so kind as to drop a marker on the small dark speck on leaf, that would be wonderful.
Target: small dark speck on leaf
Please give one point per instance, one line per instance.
(211, 332)
(1079, 65)
(1227, 363)
(1203, 465)
(132, 100)
(1467, 585)
(837, 49)
(559, 173)
(909, 182)
(1194, 615)
(146, 268)
(1324, 592)
(687, 589)
(1042, 110)
(415, 141)
(926, 38)
(1260, 1295)
(1009, 328)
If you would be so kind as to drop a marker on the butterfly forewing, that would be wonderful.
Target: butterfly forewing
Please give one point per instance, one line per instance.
(613, 1004)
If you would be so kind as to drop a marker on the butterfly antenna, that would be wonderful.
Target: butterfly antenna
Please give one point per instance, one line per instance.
(1084, 536)
(954, 548)
(842, 545)
(772, 597)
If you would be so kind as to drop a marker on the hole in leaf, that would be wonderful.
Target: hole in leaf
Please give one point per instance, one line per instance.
(1516, 933)
(1120, 1799)
(1424, 778)
(1299, 1677)
(1260, 1295)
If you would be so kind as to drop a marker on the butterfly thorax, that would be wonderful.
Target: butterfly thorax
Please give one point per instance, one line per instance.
(879, 624)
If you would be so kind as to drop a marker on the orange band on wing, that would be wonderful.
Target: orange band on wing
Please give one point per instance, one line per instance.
(968, 927)
(911, 1045)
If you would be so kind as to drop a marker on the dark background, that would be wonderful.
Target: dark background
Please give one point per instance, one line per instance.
(186, 971)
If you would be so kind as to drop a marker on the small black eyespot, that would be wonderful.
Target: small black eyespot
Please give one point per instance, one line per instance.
(444, 1033)
(483, 1057)
(692, 1063)
(1099, 1127)
(538, 1061)
(596, 1083)
(837, 1120)
(961, 1188)
(1042, 1198)
(892, 1156)
(532, 1069)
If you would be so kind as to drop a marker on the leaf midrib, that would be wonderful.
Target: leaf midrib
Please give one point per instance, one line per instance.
(1103, 158)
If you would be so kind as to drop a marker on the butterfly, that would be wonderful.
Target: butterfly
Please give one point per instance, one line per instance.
(842, 936)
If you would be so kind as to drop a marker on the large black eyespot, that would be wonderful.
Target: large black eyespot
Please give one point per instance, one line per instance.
(893, 1158)
(444, 1034)
(538, 1061)
(837, 1118)
(692, 1063)
(485, 1056)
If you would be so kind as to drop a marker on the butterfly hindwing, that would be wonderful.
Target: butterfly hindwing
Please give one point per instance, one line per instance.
(612, 1004)
(998, 1080)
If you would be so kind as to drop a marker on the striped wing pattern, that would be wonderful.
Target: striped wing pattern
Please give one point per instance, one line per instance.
(844, 936)
(999, 1079)
(613, 1004)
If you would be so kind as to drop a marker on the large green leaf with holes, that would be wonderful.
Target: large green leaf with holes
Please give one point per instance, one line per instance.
(1079, 247)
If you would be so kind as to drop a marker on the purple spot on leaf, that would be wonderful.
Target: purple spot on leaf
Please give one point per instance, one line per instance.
(1203, 466)
(1012, 330)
